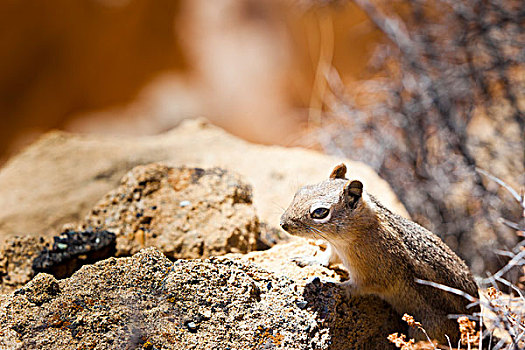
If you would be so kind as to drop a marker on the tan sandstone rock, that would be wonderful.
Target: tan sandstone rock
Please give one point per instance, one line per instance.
(185, 212)
(61, 177)
(16, 259)
(147, 301)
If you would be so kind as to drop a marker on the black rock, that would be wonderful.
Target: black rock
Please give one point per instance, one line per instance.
(73, 249)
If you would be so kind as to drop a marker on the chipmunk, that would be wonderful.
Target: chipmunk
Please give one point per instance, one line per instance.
(384, 253)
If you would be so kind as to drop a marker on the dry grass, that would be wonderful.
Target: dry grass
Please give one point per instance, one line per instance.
(469, 336)
(503, 315)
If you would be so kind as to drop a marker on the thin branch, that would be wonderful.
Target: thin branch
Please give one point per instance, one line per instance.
(502, 183)
(447, 289)
(515, 261)
(512, 224)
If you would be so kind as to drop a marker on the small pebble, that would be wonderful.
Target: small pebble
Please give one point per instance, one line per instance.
(192, 327)
(301, 304)
(184, 203)
(206, 314)
(61, 246)
(269, 285)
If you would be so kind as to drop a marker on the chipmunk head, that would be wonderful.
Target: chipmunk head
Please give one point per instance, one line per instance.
(325, 210)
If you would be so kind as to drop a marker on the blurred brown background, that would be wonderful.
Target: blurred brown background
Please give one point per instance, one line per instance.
(138, 67)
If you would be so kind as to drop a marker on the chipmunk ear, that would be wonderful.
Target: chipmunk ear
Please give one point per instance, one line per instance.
(353, 191)
(338, 172)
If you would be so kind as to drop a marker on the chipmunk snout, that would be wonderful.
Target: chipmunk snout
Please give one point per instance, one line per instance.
(290, 223)
(286, 222)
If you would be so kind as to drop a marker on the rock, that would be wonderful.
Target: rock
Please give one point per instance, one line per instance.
(16, 258)
(356, 323)
(61, 177)
(219, 303)
(184, 212)
(21, 258)
(40, 289)
(72, 249)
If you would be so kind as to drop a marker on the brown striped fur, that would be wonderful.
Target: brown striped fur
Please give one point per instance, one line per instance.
(384, 253)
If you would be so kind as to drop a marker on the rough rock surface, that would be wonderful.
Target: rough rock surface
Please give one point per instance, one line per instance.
(184, 212)
(150, 302)
(16, 259)
(59, 179)
(358, 323)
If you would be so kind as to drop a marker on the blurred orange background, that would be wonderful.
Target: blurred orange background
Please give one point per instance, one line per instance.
(139, 67)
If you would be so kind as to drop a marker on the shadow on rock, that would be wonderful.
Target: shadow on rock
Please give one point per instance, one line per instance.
(362, 322)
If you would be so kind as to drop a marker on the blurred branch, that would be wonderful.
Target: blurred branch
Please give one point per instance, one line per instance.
(502, 183)
(326, 52)
(517, 260)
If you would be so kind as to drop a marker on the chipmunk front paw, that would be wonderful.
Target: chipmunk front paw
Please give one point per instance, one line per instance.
(350, 288)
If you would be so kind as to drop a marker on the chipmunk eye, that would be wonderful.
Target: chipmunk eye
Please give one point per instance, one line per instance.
(320, 213)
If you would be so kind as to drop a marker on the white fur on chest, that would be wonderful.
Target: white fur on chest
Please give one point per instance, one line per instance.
(352, 282)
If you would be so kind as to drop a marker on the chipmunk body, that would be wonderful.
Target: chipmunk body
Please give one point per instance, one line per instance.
(384, 253)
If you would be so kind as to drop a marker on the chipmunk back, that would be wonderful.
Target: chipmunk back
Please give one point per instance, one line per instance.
(384, 253)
